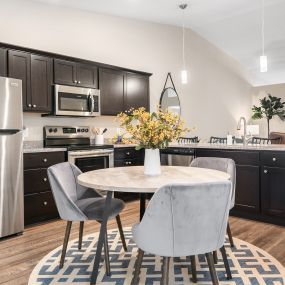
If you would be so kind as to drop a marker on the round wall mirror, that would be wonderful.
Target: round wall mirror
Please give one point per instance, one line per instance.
(169, 101)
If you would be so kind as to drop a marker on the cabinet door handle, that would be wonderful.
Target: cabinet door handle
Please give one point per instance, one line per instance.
(29, 105)
(127, 153)
(45, 179)
(78, 82)
(130, 163)
(75, 81)
(44, 160)
(265, 171)
(274, 159)
(45, 203)
(34, 106)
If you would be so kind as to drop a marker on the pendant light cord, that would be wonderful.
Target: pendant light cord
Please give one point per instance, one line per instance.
(183, 40)
(262, 26)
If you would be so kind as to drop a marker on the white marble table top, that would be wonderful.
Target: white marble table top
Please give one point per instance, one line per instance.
(132, 178)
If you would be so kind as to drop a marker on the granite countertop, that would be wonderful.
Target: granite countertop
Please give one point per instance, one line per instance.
(275, 147)
(37, 146)
(120, 145)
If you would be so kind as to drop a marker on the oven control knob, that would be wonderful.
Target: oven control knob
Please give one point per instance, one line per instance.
(78, 130)
(86, 130)
(82, 130)
(55, 130)
(50, 130)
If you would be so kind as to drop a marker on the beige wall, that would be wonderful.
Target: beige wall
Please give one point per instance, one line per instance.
(217, 93)
(277, 90)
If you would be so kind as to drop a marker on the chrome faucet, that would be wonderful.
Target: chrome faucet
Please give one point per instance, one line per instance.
(244, 128)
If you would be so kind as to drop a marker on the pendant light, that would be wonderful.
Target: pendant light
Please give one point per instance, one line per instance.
(184, 75)
(263, 57)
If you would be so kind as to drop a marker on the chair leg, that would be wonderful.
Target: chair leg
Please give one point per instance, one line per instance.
(138, 265)
(81, 226)
(106, 255)
(230, 235)
(118, 219)
(193, 268)
(215, 257)
(65, 243)
(211, 265)
(226, 263)
(165, 271)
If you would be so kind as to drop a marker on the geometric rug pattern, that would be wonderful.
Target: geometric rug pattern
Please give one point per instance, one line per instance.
(249, 265)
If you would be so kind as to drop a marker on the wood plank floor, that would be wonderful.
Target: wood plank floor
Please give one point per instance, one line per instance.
(20, 254)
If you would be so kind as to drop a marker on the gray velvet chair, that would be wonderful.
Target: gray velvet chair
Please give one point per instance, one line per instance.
(77, 203)
(222, 164)
(184, 220)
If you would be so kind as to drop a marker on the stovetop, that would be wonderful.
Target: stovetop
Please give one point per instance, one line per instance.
(71, 138)
(72, 147)
(88, 147)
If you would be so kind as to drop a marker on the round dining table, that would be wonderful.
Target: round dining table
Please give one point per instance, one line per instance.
(132, 179)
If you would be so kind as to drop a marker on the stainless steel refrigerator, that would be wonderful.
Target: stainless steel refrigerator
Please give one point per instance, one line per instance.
(11, 157)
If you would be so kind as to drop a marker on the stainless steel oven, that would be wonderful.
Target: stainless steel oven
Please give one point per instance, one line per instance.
(77, 101)
(79, 150)
(87, 160)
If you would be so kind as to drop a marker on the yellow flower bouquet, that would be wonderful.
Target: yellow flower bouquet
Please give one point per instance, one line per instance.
(152, 130)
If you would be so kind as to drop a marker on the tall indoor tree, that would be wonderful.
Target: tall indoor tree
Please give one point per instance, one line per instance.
(270, 106)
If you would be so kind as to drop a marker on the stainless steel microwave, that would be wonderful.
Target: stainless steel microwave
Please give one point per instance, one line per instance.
(77, 101)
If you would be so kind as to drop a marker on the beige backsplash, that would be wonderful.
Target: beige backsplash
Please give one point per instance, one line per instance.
(34, 123)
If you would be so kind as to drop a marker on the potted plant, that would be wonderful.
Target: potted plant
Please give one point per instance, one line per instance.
(270, 106)
(152, 131)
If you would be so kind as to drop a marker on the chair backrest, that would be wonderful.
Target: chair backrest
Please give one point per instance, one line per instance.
(258, 140)
(274, 135)
(183, 220)
(222, 164)
(220, 140)
(65, 189)
(185, 140)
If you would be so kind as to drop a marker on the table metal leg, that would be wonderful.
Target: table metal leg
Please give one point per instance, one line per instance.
(142, 204)
(100, 242)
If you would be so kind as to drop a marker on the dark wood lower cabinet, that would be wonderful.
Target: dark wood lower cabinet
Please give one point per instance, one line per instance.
(260, 184)
(39, 207)
(247, 188)
(39, 204)
(273, 191)
(127, 156)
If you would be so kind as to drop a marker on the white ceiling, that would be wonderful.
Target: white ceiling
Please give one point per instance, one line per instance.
(232, 25)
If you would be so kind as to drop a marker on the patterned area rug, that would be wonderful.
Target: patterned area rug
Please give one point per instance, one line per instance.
(249, 265)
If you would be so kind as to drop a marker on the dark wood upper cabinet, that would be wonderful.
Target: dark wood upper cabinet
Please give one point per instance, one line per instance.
(136, 91)
(121, 91)
(75, 74)
(64, 72)
(3, 62)
(41, 83)
(111, 85)
(19, 67)
(87, 75)
(273, 191)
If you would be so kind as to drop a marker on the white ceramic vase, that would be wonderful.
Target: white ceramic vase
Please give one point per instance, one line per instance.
(152, 162)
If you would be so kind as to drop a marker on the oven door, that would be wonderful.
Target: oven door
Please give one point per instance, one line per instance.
(92, 160)
(77, 101)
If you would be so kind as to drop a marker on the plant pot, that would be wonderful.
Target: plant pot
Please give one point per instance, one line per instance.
(152, 162)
